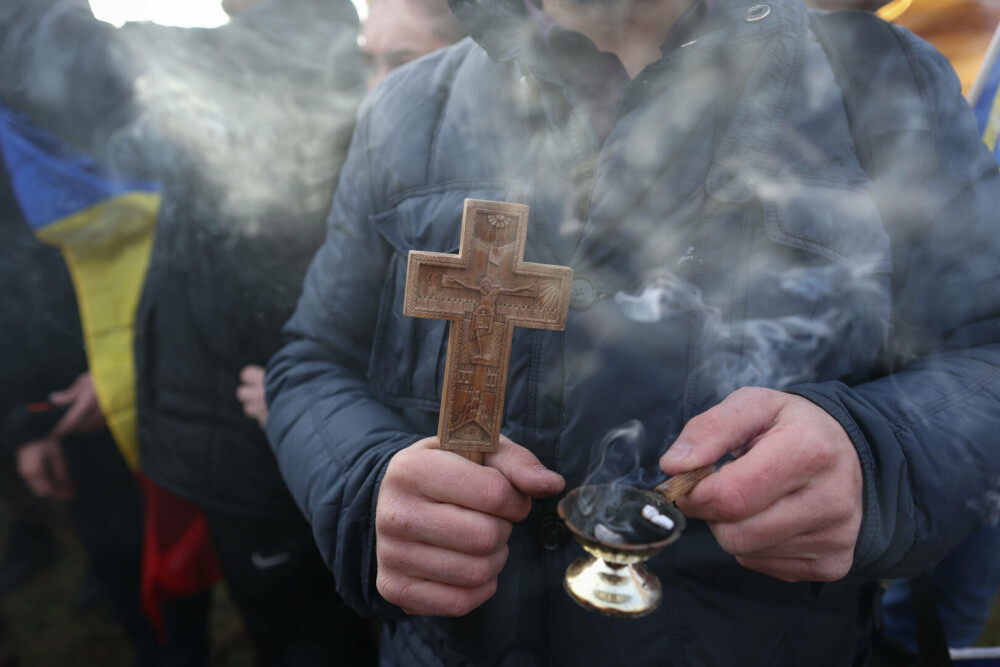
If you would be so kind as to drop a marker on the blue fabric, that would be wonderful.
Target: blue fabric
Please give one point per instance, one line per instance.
(51, 180)
(729, 168)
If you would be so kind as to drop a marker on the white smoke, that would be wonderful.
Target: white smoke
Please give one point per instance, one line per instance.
(773, 352)
(988, 506)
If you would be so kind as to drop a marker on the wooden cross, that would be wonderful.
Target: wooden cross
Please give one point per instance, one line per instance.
(485, 291)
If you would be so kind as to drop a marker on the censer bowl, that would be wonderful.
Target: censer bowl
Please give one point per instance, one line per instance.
(611, 579)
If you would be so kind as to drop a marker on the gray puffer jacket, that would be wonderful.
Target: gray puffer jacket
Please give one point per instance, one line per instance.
(728, 195)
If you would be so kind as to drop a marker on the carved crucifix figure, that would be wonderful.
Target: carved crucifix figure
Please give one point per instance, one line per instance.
(485, 291)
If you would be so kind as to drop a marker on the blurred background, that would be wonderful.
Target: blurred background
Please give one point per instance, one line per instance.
(185, 13)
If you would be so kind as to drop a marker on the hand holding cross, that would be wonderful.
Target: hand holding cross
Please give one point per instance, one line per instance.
(440, 545)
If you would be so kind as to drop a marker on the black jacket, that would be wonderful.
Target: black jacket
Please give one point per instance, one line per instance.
(41, 345)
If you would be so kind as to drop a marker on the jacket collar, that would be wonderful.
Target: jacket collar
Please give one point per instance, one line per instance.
(507, 32)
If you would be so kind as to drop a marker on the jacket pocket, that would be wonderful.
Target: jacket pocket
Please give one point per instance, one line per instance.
(839, 222)
(406, 369)
(408, 353)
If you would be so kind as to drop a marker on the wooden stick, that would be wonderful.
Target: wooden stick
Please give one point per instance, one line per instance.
(681, 485)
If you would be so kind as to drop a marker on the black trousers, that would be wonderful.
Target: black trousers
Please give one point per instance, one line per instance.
(286, 594)
(6, 651)
(107, 511)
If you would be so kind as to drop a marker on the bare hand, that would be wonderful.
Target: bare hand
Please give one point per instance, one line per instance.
(442, 524)
(790, 505)
(251, 394)
(84, 414)
(43, 468)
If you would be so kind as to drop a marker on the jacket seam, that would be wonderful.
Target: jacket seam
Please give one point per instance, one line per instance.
(933, 408)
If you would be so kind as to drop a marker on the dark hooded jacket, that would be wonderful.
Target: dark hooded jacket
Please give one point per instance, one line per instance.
(245, 127)
(41, 347)
(729, 180)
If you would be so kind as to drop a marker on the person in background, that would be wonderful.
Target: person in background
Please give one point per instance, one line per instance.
(244, 127)
(398, 31)
(395, 33)
(54, 431)
(41, 352)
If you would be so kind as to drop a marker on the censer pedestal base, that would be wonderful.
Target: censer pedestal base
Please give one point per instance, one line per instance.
(613, 589)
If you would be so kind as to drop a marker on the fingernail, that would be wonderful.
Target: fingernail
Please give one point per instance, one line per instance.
(678, 451)
(541, 468)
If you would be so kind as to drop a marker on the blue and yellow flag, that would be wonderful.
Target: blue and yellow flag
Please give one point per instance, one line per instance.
(104, 227)
(987, 108)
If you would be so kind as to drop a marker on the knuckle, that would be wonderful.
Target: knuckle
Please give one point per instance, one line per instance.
(486, 537)
(388, 519)
(732, 503)
(387, 587)
(734, 540)
(489, 591)
(402, 523)
(841, 507)
(459, 605)
(817, 457)
(843, 545)
(707, 425)
(495, 494)
(402, 466)
(831, 510)
(385, 555)
(382, 584)
(480, 573)
(520, 509)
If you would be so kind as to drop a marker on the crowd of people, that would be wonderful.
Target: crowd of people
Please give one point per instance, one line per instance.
(786, 247)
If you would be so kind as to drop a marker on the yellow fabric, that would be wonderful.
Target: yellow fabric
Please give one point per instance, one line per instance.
(992, 130)
(107, 248)
(960, 29)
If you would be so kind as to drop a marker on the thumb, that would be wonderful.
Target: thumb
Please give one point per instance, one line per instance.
(727, 427)
(524, 471)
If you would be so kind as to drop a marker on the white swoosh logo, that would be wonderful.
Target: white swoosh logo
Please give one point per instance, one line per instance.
(267, 562)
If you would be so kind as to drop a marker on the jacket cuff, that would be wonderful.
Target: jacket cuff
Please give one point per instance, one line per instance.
(386, 612)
